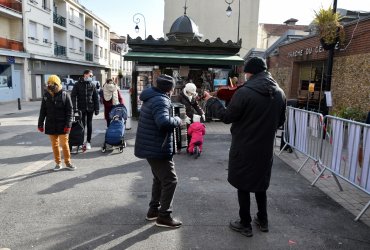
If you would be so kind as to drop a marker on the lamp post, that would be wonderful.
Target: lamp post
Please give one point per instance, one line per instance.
(329, 68)
(229, 12)
(136, 19)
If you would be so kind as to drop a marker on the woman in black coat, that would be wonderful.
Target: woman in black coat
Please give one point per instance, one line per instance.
(256, 111)
(56, 113)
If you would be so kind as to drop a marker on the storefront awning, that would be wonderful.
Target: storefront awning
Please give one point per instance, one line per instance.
(204, 59)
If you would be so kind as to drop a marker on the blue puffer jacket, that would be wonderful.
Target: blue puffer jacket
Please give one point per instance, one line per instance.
(154, 137)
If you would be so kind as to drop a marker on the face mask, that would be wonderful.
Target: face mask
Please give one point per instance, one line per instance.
(52, 88)
(88, 79)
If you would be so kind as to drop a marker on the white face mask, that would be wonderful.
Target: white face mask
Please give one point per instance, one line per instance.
(88, 79)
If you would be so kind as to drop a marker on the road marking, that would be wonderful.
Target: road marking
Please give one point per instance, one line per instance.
(22, 174)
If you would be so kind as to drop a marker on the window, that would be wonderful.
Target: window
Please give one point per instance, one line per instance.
(72, 42)
(80, 45)
(100, 52)
(46, 35)
(46, 5)
(96, 31)
(71, 15)
(101, 31)
(105, 35)
(32, 30)
(96, 51)
(81, 18)
(106, 53)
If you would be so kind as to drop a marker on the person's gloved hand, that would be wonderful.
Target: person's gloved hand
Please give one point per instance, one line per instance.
(204, 118)
(187, 120)
(178, 119)
(96, 112)
(67, 130)
(41, 129)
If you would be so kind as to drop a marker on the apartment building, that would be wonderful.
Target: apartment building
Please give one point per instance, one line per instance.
(213, 22)
(12, 55)
(62, 37)
(121, 70)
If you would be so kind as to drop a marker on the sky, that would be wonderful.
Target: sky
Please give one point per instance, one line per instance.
(119, 13)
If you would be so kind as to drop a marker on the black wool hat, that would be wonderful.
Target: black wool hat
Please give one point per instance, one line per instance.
(165, 83)
(255, 65)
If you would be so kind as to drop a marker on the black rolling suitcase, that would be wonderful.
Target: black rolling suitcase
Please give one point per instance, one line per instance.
(76, 136)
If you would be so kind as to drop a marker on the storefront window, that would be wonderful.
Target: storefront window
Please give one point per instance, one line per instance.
(5, 76)
(312, 86)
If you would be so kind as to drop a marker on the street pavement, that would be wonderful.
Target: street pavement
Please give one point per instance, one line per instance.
(102, 205)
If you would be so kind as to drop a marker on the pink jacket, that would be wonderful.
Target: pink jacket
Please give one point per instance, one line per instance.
(196, 131)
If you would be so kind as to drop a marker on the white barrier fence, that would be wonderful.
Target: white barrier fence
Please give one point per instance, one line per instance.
(346, 153)
(338, 145)
(304, 132)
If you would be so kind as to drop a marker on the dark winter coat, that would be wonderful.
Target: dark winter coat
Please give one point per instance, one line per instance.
(154, 137)
(256, 111)
(85, 97)
(56, 113)
(190, 106)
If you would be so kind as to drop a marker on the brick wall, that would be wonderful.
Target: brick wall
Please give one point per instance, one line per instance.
(351, 66)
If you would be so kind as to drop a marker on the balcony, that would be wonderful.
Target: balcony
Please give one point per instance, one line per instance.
(12, 5)
(89, 57)
(59, 50)
(60, 20)
(88, 33)
(11, 44)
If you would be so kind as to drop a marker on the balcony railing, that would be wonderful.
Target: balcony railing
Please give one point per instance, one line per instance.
(11, 44)
(89, 57)
(59, 50)
(60, 20)
(12, 5)
(88, 33)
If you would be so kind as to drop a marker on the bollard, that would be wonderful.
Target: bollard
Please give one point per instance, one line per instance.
(19, 104)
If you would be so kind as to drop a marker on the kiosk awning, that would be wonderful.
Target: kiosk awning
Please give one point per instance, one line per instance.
(204, 59)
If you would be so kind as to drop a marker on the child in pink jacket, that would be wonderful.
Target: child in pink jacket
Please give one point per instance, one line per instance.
(196, 130)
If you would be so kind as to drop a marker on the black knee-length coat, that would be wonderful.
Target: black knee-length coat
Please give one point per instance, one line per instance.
(256, 111)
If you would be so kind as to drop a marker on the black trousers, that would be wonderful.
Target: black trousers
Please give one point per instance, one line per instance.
(87, 117)
(164, 185)
(244, 206)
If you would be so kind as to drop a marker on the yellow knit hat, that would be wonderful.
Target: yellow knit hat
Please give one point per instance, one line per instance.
(54, 79)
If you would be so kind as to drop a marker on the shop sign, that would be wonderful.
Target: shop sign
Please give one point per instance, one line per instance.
(306, 51)
(144, 68)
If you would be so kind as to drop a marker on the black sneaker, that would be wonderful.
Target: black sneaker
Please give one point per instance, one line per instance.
(57, 167)
(151, 215)
(262, 225)
(70, 167)
(167, 221)
(239, 227)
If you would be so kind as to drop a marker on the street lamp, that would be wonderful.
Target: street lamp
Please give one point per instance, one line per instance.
(229, 12)
(136, 19)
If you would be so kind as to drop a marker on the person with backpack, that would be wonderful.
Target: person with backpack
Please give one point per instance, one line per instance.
(111, 96)
(55, 120)
(85, 99)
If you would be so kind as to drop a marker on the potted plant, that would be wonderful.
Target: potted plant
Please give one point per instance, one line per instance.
(330, 30)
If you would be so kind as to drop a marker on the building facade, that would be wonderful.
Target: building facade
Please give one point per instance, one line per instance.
(12, 56)
(62, 37)
(300, 67)
(211, 18)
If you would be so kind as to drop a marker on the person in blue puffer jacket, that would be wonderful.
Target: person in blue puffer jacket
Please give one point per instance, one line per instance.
(154, 142)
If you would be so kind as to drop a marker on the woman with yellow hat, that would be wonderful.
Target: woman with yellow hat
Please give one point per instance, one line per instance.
(56, 113)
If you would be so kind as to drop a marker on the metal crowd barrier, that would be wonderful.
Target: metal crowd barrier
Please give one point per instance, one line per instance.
(303, 131)
(345, 153)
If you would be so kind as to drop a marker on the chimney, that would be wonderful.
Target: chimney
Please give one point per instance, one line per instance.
(291, 21)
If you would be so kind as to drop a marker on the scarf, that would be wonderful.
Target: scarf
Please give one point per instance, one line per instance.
(110, 91)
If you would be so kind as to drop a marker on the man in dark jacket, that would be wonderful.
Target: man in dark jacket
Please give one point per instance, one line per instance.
(86, 99)
(154, 142)
(256, 110)
(56, 113)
